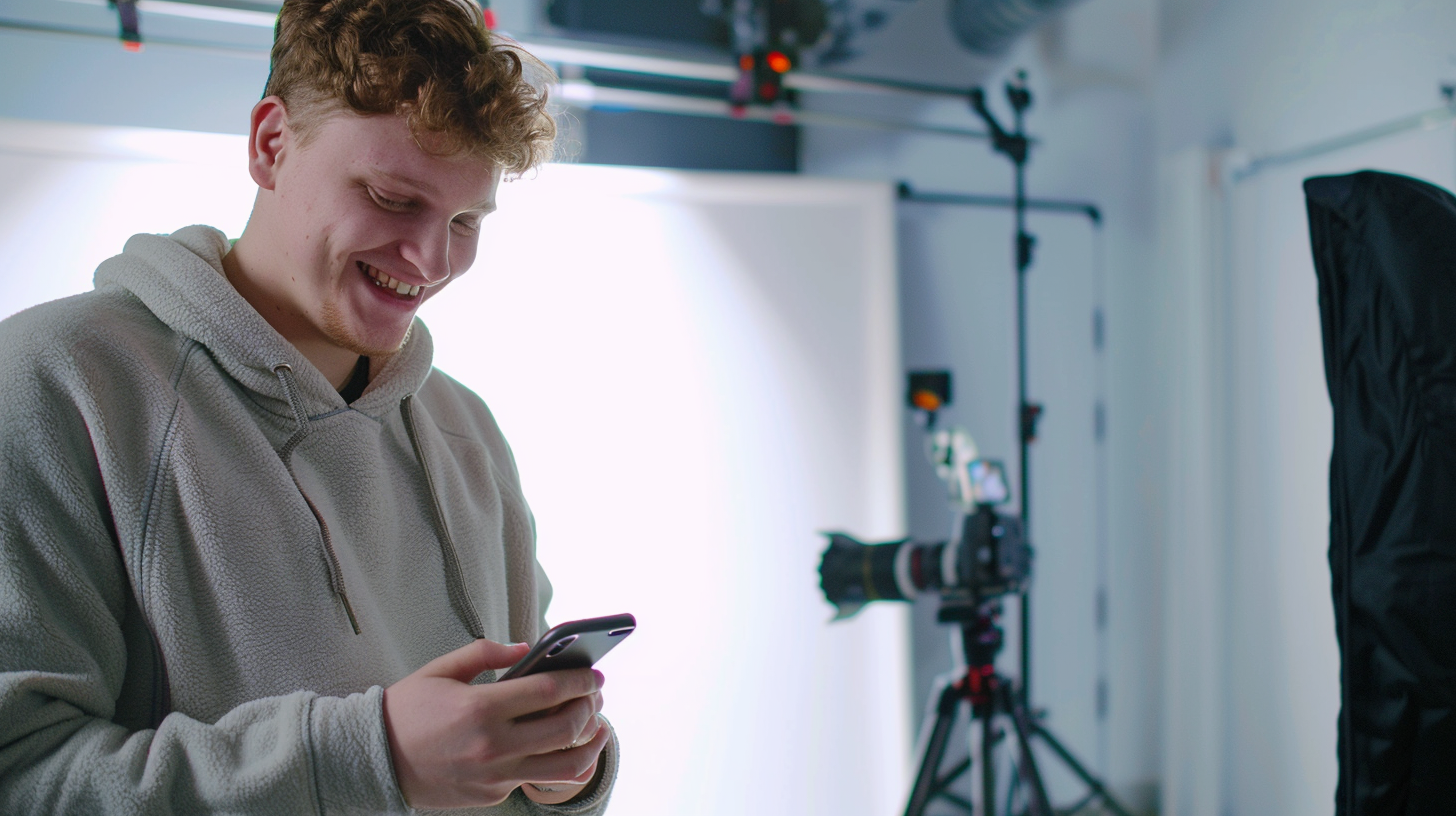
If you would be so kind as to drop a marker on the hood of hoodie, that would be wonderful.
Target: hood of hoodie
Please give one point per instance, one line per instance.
(180, 278)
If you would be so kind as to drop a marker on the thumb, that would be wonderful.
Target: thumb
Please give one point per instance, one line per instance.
(467, 662)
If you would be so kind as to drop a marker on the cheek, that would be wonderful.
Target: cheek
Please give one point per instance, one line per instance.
(355, 231)
(462, 255)
(368, 227)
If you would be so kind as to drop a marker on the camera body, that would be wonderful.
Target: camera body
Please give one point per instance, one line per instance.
(989, 556)
(993, 559)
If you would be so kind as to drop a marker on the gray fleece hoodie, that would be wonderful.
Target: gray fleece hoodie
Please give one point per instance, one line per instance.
(210, 565)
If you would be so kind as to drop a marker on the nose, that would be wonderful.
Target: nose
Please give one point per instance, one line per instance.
(428, 250)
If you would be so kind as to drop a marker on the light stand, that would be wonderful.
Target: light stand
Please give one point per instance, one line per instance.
(1017, 147)
(989, 694)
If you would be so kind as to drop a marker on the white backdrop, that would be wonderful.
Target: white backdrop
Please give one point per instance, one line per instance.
(697, 372)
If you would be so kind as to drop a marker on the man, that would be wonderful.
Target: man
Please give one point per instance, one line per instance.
(255, 553)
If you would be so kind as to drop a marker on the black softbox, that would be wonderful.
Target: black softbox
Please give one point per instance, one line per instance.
(1385, 255)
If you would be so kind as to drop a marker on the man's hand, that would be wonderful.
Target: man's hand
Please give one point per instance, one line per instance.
(458, 745)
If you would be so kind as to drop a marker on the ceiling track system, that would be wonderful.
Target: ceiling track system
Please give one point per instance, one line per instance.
(571, 57)
(1425, 120)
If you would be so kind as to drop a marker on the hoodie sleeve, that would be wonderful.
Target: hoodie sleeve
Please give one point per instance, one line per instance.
(64, 655)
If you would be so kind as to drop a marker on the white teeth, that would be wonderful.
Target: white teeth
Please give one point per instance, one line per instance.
(381, 279)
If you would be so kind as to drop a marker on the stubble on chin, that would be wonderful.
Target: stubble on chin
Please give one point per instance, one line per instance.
(336, 329)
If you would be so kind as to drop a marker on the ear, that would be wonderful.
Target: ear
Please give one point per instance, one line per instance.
(268, 139)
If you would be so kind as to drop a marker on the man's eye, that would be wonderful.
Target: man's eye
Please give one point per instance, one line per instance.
(389, 203)
(466, 226)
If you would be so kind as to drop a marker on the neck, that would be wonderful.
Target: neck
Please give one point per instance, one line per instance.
(244, 273)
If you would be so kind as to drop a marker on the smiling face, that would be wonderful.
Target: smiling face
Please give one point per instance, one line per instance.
(353, 229)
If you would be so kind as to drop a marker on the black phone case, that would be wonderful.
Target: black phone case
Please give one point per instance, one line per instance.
(575, 644)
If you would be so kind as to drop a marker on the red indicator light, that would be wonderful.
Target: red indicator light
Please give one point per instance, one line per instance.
(132, 46)
(745, 62)
(779, 62)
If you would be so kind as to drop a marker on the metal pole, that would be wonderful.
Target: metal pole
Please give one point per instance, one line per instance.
(588, 95)
(1087, 208)
(1426, 120)
(1027, 420)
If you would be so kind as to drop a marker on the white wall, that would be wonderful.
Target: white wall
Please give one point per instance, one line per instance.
(698, 374)
(74, 194)
(1252, 670)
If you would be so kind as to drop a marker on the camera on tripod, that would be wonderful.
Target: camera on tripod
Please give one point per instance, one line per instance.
(989, 556)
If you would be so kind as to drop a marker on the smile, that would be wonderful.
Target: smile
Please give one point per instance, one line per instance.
(382, 280)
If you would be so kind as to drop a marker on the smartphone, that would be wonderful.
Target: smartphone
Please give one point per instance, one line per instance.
(573, 645)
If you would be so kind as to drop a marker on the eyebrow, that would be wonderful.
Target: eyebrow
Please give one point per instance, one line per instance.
(486, 206)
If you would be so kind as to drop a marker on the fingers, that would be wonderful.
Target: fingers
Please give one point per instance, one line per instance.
(455, 744)
(469, 661)
(569, 726)
(541, 692)
(574, 765)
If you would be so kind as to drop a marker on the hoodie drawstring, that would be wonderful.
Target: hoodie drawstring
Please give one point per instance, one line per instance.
(454, 576)
(300, 416)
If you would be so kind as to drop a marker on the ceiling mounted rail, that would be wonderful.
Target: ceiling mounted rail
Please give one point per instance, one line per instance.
(639, 61)
(583, 54)
(27, 27)
(603, 57)
(588, 95)
(1426, 120)
(234, 12)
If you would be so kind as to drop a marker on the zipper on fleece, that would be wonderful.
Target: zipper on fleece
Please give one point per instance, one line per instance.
(454, 576)
(331, 557)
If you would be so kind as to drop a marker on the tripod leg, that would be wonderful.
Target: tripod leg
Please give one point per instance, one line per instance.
(1026, 767)
(1098, 790)
(925, 779)
(988, 765)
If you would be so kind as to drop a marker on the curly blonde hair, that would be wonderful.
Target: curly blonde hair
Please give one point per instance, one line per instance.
(463, 88)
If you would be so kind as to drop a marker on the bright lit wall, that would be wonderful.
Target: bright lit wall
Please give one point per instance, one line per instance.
(73, 195)
(698, 373)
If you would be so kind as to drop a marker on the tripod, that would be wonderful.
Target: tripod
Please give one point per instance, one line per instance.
(991, 695)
